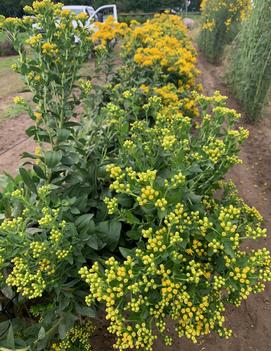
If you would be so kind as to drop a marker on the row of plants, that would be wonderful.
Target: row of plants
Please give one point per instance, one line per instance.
(250, 63)
(123, 206)
(221, 22)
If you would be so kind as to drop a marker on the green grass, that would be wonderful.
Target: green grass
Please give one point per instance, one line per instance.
(3, 37)
(12, 85)
(6, 62)
(11, 112)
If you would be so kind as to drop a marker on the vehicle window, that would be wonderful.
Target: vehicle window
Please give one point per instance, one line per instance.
(88, 12)
(77, 11)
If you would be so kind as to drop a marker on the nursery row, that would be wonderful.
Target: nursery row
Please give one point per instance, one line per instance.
(124, 207)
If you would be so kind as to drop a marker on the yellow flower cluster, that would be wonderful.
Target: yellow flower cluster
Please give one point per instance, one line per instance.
(153, 287)
(235, 10)
(215, 149)
(34, 40)
(168, 95)
(107, 31)
(78, 336)
(34, 265)
(49, 49)
(162, 43)
(112, 205)
(148, 193)
(28, 284)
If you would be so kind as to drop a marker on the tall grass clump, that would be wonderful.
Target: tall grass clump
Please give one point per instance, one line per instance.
(250, 66)
(220, 25)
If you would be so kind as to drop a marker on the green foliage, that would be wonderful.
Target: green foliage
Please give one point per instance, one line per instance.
(250, 61)
(125, 175)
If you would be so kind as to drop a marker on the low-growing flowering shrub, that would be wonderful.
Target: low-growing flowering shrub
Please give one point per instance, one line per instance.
(106, 31)
(188, 262)
(161, 51)
(220, 24)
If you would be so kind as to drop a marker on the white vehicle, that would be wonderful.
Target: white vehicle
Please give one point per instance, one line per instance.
(95, 15)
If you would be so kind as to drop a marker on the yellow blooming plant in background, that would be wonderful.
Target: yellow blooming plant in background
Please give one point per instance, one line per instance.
(220, 23)
(161, 47)
(107, 31)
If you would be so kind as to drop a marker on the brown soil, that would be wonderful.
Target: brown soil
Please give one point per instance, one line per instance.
(13, 142)
(251, 323)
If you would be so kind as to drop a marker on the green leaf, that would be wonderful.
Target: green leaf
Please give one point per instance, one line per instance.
(220, 264)
(10, 338)
(109, 232)
(193, 198)
(68, 320)
(27, 180)
(211, 236)
(74, 210)
(84, 223)
(228, 249)
(41, 334)
(29, 155)
(62, 330)
(52, 158)
(93, 242)
(63, 134)
(8, 292)
(39, 172)
(126, 252)
(130, 218)
(85, 311)
(134, 234)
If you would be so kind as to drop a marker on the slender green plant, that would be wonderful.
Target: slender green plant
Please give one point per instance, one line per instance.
(249, 72)
(220, 25)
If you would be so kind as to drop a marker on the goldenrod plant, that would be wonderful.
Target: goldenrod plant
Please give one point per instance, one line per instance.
(188, 263)
(220, 24)
(249, 73)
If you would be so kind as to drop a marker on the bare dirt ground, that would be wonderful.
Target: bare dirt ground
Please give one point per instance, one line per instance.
(13, 142)
(251, 323)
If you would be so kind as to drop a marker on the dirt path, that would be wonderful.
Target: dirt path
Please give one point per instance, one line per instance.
(13, 142)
